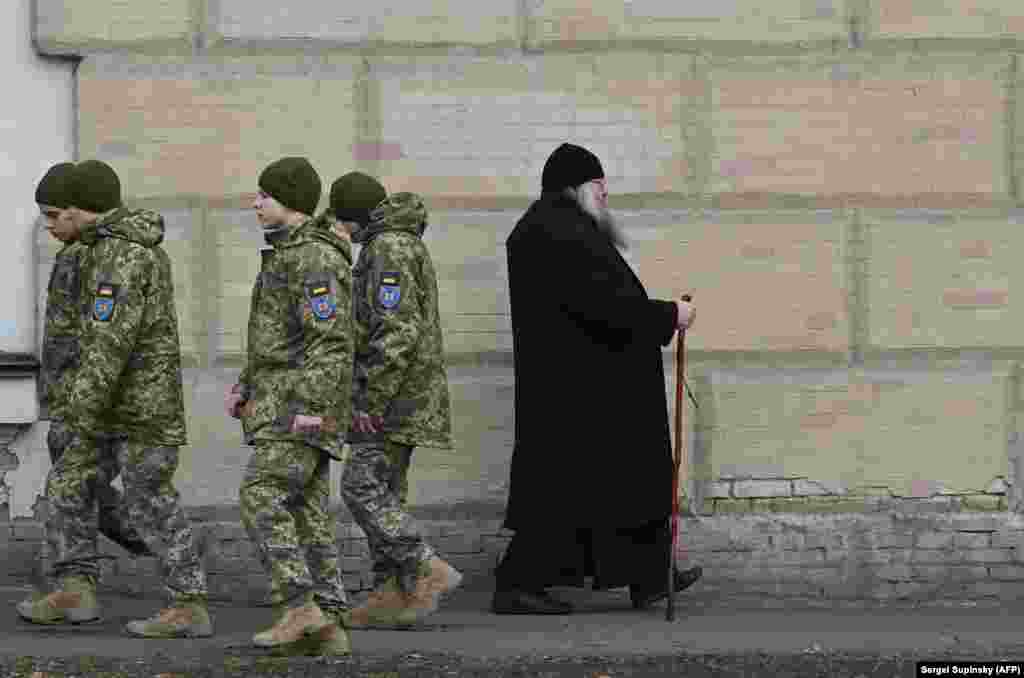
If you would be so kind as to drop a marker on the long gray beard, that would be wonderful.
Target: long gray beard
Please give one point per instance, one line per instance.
(606, 222)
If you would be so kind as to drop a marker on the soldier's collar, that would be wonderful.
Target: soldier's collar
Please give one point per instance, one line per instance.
(275, 234)
(100, 228)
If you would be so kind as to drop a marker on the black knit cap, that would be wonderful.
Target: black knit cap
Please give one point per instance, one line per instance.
(570, 165)
(94, 187)
(354, 195)
(53, 187)
(292, 182)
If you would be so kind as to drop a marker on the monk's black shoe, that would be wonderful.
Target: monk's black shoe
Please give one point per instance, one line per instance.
(641, 598)
(527, 602)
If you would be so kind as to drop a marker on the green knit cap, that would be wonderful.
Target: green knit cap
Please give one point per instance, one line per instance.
(402, 210)
(95, 187)
(292, 182)
(53, 187)
(354, 195)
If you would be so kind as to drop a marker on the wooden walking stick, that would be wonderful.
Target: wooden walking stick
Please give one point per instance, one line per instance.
(677, 459)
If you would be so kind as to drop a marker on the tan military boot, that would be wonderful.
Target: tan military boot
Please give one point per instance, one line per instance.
(298, 620)
(187, 618)
(331, 641)
(74, 602)
(37, 594)
(383, 607)
(436, 578)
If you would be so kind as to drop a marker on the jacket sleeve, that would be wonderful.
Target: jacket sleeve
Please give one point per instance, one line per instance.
(395, 324)
(323, 384)
(60, 342)
(587, 287)
(113, 313)
(241, 386)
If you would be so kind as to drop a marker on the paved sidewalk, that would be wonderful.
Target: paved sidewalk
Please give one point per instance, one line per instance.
(604, 626)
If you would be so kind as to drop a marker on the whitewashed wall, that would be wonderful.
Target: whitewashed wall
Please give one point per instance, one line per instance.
(36, 131)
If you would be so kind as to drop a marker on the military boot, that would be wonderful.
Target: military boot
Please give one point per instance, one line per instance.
(331, 641)
(186, 618)
(391, 606)
(295, 620)
(383, 607)
(436, 579)
(36, 595)
(74, 602)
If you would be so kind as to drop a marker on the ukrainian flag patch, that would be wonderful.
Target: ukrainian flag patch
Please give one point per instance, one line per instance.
(321, 301)
(104, 302)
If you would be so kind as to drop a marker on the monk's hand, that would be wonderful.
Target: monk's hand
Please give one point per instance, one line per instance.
(687, 312)
(233, 402)
(306, 424)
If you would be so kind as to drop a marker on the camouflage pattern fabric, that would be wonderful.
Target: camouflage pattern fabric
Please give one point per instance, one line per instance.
(127, 385)
(283, 501)
(399, 360)
(300, 339)
(399, 458)
(150, 505)
(109, 498)
(367, 487)
(72, 520)
(128, 380)
(60, 330)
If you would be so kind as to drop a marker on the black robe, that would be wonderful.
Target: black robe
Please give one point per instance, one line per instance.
(591, 466)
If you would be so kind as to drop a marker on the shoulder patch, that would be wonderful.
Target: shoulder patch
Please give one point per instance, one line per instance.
(389, 292)
(321, 300)
(104, 302)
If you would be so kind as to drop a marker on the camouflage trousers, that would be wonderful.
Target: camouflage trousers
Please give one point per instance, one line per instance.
(150, 505)
(284, 505)
(108, 497)
(375, 488)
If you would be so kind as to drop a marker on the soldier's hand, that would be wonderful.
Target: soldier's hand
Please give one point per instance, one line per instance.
(364, 423)
(232, 403)
(687, 313)
(305, 424)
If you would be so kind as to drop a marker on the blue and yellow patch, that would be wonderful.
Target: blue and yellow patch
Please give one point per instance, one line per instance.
(322, 302)
(104, 302)
(389, 293)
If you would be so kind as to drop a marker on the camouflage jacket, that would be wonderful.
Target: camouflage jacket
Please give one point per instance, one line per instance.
(60, 331)
(399, 365)
(128, 379)
(300, 338)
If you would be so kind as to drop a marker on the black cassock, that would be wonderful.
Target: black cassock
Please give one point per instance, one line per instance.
(591, 476)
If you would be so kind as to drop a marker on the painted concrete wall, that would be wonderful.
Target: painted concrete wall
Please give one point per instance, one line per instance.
(36, 130)
(835, 182)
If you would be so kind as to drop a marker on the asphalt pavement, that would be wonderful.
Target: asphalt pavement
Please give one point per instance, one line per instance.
(603, 631)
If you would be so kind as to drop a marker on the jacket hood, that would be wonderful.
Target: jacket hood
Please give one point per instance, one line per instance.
(315, 229)
(403, 212)
(143, 227)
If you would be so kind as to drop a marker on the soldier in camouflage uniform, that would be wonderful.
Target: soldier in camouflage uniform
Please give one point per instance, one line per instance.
(59, 354)
(293, 400)
(400, 396)
(127, 383)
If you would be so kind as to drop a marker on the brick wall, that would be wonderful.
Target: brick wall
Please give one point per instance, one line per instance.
(233, 568)
(836, 182)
